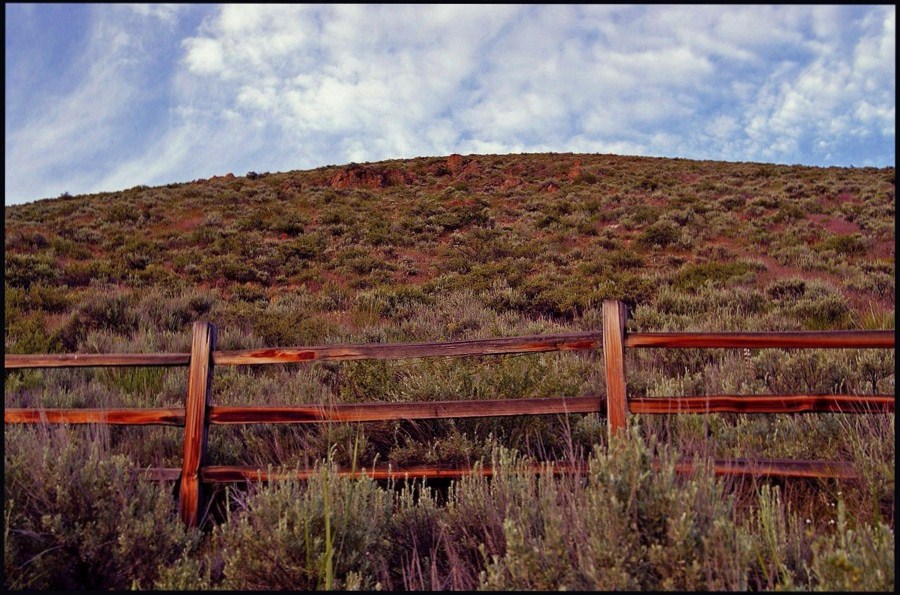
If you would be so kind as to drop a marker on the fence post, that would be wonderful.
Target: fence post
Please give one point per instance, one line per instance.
(614, 316)
(196, 427)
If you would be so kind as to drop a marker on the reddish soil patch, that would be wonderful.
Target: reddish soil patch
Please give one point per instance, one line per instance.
(775, 271)
(455, 163)
(189, 220)
(469, 171)
(335, 278)
(466, 202)
(575, 172)
(228, 176)
(291, 184)
(836, 225)
(509, 183)
(421, 263)
(885, 249)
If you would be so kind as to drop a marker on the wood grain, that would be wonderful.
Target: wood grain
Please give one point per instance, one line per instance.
(196, 427)
(776, 468)
(796, 340)
(230, 473)
(113, 417)
(360, 412)
(77, 360)
(368, 412)
(521, 344)
(614, 315)
(720, 467)
(764, 404)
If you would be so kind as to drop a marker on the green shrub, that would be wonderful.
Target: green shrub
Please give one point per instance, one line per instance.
(631, 527)
(25, 270)
(661, 233)
(80, 274)
(395, 304)
(305, 247)
(30, 335)
(585, 178)
(233, 268)
(47, 298)
(637, 215)
(78, 518)
(786, 289)
(113, 313)
(855, 559)
(326, 533)
(291, 223)
(249, 293)
(850, 245)
(694, 275)
(172, 312)
(26, 241)
(821, 308)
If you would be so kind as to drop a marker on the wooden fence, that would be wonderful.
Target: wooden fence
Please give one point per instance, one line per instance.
(199, 413)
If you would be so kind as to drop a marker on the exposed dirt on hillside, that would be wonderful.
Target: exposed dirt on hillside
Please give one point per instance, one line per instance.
(775, 271)
(836, 225)
(189, 221)
(359, 176)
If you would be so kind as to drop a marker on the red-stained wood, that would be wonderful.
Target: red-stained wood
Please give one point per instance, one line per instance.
(614, 315)
(76, 360)
(360, 412)
(776, 468)
(764, 404)
(196, 428)
(721, 467)
(368, 412)
(230, 473)
(120, 417)
(796, 340)
(522, 344)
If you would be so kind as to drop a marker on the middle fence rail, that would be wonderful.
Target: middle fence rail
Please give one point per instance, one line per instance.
(199, 412)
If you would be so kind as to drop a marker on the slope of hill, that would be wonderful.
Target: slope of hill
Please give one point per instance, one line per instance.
(461, 247)
(543, 235)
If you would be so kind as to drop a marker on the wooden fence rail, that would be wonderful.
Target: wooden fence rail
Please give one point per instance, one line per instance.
(510, 345)
(199, 413)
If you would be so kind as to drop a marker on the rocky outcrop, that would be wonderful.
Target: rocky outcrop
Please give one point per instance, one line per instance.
(511, 182)
(455, 163)
(360, 176)
(575, 172)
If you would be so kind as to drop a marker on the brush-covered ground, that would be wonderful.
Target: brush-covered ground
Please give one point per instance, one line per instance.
(461, 247)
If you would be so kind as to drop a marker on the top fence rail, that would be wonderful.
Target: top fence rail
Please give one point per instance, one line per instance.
(508, 345)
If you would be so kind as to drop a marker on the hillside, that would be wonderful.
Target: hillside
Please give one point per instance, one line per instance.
(541, 235)
(459, 247)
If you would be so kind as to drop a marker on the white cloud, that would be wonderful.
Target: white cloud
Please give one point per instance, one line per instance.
(837, 95)
(77, 127)
(205, 56)
(167, 13)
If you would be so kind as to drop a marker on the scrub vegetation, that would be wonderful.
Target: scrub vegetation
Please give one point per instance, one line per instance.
(452, 248)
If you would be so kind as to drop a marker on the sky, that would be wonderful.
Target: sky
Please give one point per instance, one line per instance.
(108, 97)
